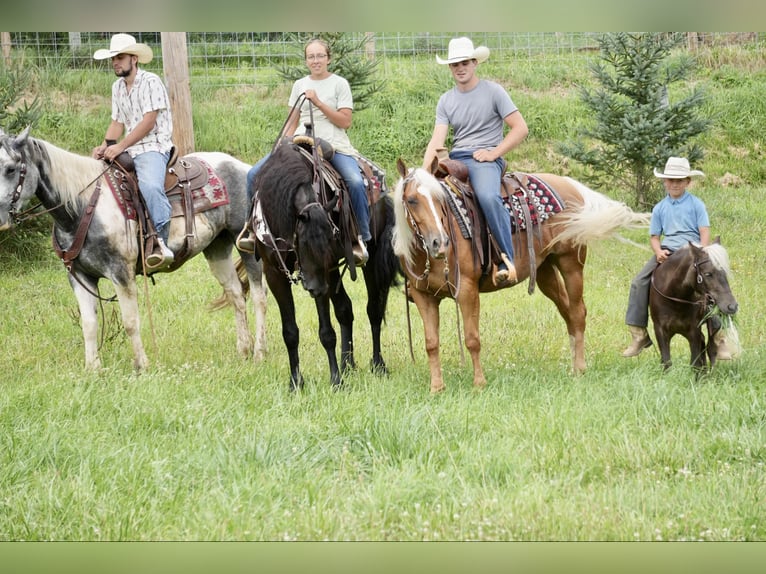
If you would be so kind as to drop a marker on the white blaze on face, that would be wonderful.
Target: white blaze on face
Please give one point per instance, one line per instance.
(426, 193)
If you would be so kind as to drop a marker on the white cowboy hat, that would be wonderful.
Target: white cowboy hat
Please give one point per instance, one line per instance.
(461, 49)
(677, 168)
(125, 44)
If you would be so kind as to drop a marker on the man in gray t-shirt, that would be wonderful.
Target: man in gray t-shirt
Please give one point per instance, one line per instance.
(478, 111)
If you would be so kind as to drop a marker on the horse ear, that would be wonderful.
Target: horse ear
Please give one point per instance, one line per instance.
(434, 165)
(21, 139)
(401, 168)
(717, 239)
(331, 204)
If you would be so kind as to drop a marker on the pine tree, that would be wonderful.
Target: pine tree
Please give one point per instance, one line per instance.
(636, 126)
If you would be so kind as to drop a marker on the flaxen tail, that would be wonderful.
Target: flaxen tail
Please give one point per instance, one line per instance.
(598, 218)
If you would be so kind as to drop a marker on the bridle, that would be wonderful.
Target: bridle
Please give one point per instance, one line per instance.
(702, 303)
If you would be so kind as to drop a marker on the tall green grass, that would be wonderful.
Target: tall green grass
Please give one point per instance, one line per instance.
(206, 446)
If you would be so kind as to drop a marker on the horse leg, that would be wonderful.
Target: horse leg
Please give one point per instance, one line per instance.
(258, 293)
(377, 301)
(663, 344)
(697, 348)
(328, 337)
(88, 319)
(470, 308)
(344, 313)
(280, 287)
(226, 273)
(428, 307)
(128, 296)
(561, 280)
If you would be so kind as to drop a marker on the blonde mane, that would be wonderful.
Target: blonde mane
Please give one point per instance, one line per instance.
(719, 257)
(72, 176)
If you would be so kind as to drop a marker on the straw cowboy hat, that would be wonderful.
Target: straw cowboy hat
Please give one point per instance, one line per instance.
(125, 44)
(461, 49)
(677, 168)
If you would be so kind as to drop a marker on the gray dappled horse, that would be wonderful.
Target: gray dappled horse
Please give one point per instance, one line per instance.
(74, 190)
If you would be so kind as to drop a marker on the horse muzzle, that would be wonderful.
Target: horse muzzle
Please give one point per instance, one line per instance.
(437, 247)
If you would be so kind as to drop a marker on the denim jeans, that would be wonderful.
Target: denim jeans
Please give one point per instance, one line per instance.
(348, 169)
(485, 181)
(150, 171)
(251, 176)
(638, 299)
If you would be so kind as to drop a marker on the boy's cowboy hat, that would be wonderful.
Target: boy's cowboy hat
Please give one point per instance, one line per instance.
(677, 168)
(461, 49)
(125, 44)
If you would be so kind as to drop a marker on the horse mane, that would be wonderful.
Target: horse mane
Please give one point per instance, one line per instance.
(718, 257)
(403, 238)
(68, 173)
(282, 175)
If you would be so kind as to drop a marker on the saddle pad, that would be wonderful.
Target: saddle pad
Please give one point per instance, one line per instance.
(542, 200)
(211, 195)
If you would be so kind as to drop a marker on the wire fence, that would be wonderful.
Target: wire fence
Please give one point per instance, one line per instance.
(231, 59)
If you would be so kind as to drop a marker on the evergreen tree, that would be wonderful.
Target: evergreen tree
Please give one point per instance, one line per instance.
(16, 112)
(636, 126)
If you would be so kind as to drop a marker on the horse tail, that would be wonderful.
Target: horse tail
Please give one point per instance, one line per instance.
(223, 301)
(598, 217)
(384, 262)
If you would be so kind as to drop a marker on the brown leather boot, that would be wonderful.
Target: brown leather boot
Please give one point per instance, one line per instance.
(246, 240)
(723, 353)
(640, 341)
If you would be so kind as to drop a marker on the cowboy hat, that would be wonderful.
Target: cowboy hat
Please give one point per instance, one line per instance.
(125, 44)
(461, 49)
(677, 168)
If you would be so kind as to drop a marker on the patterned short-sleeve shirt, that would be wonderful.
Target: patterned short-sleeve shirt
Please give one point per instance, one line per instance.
(147, 95)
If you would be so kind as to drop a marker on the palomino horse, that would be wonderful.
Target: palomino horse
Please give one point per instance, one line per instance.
(439, 261)
(299, 230)
(689, 288)
(95, 238)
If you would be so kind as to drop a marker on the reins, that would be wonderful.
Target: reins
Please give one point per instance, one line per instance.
(702, 303)
(452, 288)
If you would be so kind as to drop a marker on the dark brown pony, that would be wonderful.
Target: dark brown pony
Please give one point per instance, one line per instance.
(689, 288)
(439, 262)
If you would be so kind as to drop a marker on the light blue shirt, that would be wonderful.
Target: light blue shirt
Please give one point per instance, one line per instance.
(678, 221)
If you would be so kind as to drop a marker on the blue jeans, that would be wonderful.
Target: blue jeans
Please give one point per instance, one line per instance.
(251, 176)
(485, 181)
(150, 171)
(348, 169)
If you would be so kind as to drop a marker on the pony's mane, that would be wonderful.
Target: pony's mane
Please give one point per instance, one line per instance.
(282, 175)
(403, 237)
(718, 257)
(70, 174)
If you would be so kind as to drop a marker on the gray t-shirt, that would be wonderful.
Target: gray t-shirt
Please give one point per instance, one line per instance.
(476, 116)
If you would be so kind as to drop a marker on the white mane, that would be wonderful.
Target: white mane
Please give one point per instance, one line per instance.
(72, 176)
(403, 237)
(719, 257)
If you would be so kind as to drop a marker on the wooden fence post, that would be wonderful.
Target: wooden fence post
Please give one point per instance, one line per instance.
(5, 40)
(175, 63)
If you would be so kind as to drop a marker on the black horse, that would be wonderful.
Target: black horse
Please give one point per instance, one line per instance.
(691, 288)
(299, 230)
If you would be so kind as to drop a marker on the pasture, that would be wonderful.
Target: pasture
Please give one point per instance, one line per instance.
(207, 446)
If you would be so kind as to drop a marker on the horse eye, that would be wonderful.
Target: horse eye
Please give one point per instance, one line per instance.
(412, 201)
(9, 171)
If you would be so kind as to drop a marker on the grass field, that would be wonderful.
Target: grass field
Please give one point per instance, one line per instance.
(206, 446)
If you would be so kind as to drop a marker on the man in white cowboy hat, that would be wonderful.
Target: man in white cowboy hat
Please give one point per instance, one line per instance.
(141, 112)
(678, 218)
(478, 112)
